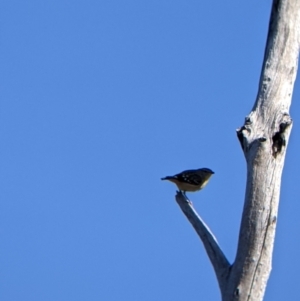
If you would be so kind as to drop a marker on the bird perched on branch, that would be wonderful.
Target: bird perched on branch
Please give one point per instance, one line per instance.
(191, 180)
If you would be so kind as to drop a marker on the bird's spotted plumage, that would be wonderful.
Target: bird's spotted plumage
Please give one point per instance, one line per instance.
(189, 176)
(192, 179)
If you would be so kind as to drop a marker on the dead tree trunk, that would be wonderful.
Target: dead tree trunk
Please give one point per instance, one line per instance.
(263, 138)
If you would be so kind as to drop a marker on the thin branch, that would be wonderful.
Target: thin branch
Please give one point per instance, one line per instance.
(218, 259)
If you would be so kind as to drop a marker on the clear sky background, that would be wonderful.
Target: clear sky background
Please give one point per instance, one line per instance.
(99, 100)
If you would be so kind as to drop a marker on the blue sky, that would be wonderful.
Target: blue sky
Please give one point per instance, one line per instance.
(99, 100)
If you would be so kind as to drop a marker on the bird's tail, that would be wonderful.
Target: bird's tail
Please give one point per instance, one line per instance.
(167, 178)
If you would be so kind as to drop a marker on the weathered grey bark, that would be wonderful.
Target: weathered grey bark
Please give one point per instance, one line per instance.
(263, 138)
(218, 259)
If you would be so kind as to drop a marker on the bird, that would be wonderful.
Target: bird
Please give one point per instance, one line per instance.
(191, 180)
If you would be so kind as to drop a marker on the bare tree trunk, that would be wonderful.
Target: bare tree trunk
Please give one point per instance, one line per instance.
(263, 138)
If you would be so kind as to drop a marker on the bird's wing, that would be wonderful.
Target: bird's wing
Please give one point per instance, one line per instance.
(189, 176)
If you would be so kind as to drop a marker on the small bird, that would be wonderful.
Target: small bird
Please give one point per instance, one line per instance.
(191, 180)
